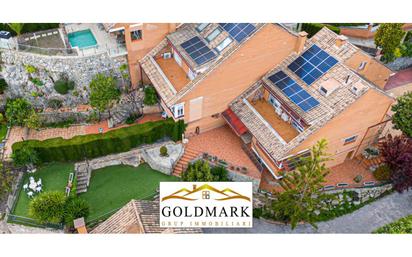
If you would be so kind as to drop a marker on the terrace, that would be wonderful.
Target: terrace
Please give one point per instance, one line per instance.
(174, 73)
(268, 113)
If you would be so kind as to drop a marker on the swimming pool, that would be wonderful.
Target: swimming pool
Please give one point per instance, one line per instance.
(82, 39)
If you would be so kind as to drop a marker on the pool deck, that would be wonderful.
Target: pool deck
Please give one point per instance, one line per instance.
(105, 42)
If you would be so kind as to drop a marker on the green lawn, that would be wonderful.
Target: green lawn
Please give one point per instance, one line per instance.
(3, 131)
(54, 177)
(112, 187)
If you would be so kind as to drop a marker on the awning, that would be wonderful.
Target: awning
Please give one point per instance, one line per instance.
(234, 122)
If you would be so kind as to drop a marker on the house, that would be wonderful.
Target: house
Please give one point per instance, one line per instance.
(139, 39)
(138, 217)
(200, 68)
(315, 93)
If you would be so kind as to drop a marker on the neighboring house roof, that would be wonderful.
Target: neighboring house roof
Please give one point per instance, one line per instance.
(185, 32)
(400, 78)
(329, 106)
(138, 216)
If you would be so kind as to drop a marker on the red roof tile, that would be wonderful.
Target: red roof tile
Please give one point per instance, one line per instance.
(399, 79)
(234, 122)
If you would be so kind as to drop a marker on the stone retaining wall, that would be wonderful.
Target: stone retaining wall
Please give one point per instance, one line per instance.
(51, 68)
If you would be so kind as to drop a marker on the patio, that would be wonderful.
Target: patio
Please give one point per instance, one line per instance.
(225, 144)
(174, 73)
(106, 42)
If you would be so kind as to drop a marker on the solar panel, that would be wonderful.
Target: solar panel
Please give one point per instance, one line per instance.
(312, 64)
(293, 91)
(238, 31)
(198, 50)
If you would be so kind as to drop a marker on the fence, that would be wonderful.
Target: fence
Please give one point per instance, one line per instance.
(31, 222)
(118, 50)
(94, 222)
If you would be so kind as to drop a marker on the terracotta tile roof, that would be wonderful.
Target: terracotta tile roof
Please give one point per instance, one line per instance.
(183, 33)
(399, 79)
(329, 107)
(138, 216)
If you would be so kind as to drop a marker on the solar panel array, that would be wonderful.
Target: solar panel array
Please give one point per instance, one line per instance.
(238, 31)
(293, 91)
(312, 64)
(198, 50)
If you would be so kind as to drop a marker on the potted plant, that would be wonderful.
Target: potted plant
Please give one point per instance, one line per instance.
(370, 152)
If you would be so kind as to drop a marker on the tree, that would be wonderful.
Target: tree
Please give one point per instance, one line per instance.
(6, 180)
(21, 113)
(25, 156)
(103, 92)
(75, 208)
(150, 96)
(16, 27)
(48, 207)
(388, 37)
(198, 171)
(397, 153)
(302, 194)
(402, 118)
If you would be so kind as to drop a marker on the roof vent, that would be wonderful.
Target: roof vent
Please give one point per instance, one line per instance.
(327, 87)
(357, 88)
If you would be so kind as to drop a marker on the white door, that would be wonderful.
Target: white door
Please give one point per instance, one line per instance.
(177, 58)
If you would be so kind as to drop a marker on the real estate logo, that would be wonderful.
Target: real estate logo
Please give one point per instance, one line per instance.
(206, 204)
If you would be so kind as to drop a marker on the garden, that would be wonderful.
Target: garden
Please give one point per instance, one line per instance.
(112, 187)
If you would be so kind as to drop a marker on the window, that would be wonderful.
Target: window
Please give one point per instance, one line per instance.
(177, 58)
(349, 140)
(323, 91)
(362, 65)
(136, 34)
(214, 34)
(201, 26)
(178, 110)
(224, 44)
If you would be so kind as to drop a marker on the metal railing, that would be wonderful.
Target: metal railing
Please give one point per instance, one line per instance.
(32, 222)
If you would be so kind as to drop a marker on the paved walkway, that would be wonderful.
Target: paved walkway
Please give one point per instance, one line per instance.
(7, 228)
(364, 220)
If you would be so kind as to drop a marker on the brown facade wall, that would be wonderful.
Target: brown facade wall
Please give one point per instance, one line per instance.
(367, 111)
(152, 35)
(357, 33)
(374, 71)
(256, 57)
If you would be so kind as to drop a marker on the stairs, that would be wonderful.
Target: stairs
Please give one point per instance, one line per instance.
(131, 103)
(188, 156)
(365, 163)
(82, 174)
(252, 157)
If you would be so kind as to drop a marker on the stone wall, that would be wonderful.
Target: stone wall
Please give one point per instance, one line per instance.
(81, 70)
(234, 176)
(364, 194)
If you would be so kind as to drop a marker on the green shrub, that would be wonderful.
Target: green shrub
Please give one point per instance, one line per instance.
(3, 85)
(201, 171)
(163, 151)
(96, 145)
(220, 173)
(401, 226)
(358, 178)
(382, 173)
(150, 96)
(63, 86)
(24, 156)
(30, 27)
(48, 207)
(313, 28)
(61, 124)
(37, 82)
(75, 208)
(30, 68)
(55, 103)
(132, 118)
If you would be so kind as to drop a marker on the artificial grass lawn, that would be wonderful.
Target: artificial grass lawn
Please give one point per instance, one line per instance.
(54, 177)
(3, 131)
(112, 187)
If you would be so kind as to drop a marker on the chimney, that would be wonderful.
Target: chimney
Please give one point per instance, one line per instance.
(80, 225)
(370, 26)
(300, 43)
(172, 27)
(341, 40)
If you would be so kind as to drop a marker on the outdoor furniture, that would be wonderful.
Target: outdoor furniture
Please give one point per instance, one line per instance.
(38, 189)
(30, 194)
(25, 186)
(39, 182)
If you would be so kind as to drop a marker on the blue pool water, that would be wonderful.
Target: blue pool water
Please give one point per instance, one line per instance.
(82, 39)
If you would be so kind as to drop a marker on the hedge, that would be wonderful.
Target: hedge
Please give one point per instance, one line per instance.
(96, 145)
(313, 28)
(30, 27)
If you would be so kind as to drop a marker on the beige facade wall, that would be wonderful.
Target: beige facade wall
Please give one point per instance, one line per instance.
(374, 71)
(367, 111)
(248, 64)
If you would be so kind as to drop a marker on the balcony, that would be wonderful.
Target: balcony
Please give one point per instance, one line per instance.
(285, 130)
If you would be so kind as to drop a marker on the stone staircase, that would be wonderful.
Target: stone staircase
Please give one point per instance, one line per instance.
(367, 163)
(83, 177)
(188, 156)
(131, 103)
